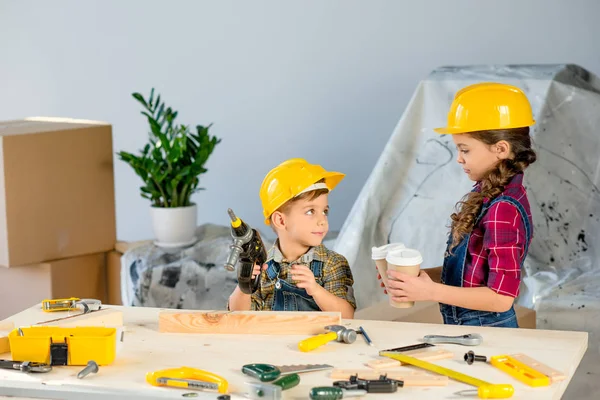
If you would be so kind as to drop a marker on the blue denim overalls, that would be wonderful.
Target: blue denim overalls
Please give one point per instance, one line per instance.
(453, 274)
(288, 297)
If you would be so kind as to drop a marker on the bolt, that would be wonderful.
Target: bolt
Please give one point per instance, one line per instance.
(470, 357)
(92, 367)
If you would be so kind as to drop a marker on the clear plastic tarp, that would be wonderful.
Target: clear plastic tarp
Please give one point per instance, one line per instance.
(416, 183)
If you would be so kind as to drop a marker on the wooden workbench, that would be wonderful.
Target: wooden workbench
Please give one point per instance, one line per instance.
(145, 349)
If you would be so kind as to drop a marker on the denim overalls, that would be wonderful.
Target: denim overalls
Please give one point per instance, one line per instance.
(453, 274)
(288, 297)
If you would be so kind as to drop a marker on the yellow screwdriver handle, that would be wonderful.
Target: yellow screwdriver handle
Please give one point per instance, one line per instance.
(501, 391)
(316, 341)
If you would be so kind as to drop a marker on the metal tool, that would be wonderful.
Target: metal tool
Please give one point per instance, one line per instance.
(381, 385)
(269, 372)
(25, 366)
(272, 391)
(470, 357)
(333, 393)
(186, 377)
(91, 368)
(71, 303)
(336, 332)
(408, 348)
(249, 249)
(520, 371)
(362, 331)
(355, 387)
(470, 339)
(485, 390)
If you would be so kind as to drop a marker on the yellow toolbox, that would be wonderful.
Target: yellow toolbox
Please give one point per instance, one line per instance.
(63, 346)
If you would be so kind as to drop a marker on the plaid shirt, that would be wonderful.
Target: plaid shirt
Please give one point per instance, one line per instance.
(497, 244)
(336, 275)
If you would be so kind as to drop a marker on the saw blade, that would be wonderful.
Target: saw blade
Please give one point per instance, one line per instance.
(299, 368)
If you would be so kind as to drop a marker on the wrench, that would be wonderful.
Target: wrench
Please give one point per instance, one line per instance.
(470, 339)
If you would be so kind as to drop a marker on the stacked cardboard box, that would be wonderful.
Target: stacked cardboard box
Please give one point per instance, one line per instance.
(57, 210)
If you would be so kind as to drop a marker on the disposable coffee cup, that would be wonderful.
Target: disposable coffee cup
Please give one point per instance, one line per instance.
(379, 254)
(407, 261)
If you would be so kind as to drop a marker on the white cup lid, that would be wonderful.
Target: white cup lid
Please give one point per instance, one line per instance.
(379, 253)
(404, 257)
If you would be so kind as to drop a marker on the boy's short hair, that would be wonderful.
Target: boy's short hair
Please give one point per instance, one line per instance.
(309, 196)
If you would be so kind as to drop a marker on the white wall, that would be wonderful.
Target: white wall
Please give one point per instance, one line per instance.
(278, 79)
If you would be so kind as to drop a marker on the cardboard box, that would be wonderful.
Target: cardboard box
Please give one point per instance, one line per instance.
(57, 196)
(113, 278)
(25, 286)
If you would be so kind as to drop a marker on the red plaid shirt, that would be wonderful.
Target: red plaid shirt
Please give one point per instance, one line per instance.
(497, 244)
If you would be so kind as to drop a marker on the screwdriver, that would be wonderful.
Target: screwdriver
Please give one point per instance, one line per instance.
(333, 393)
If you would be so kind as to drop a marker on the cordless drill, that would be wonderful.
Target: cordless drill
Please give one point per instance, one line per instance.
(249, 249)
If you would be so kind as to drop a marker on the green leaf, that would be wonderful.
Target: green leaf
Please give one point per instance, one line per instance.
(140, 98)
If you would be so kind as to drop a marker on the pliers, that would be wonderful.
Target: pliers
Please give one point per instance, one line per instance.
(25, 366)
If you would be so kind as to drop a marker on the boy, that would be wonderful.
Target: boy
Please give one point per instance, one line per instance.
(301, 274)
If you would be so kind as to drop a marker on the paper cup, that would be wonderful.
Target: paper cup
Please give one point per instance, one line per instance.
(379, 254)
(407, 261)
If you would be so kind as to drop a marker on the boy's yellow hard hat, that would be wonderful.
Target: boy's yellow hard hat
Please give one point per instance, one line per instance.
(289, 179)
(488, 106)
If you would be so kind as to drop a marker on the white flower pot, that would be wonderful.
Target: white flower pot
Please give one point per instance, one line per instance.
(174, 227)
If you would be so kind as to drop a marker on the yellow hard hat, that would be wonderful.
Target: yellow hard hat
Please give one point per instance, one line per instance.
(289, 179)
(488, 106)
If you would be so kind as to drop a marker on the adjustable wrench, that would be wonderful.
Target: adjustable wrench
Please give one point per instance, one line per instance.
(470, 339)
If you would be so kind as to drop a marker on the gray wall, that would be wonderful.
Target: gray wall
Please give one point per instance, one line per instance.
(278, 79)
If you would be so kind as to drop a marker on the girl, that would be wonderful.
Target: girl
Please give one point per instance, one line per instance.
(491, 232)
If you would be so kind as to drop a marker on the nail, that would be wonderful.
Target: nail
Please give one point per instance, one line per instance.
(470, 357)
(92, 367)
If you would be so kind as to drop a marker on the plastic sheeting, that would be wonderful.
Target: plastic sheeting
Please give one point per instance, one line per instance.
(416, 183)
(191, 278)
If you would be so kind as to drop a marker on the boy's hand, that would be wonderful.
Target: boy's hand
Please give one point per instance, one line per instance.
(304, 278)
(257, 269)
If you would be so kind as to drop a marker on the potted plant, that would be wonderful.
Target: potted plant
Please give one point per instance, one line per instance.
(170, 166)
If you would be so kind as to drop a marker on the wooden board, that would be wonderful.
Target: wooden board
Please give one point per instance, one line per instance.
(104, 317)
(255, 322)
(425, 355)
(410, 378)
(554, 375)
(122, 247)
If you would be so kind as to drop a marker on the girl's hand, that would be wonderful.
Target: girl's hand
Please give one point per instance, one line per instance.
(403, 287)
(304, 278)
(379, 279)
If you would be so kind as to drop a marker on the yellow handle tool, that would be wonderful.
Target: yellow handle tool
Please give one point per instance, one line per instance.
(520, 371)
(186, 377)
(485, 390)
(50, 305)
(317, 341)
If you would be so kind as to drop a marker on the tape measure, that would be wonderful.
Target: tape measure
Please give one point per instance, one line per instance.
(485, 390)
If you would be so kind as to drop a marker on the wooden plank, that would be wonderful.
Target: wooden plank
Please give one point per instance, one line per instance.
(104, 317)
(241, 322)
(554, 375)
(425, 355)
(410, 378)
(122, 247)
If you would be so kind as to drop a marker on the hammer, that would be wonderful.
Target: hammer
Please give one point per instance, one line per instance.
(336, 332)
